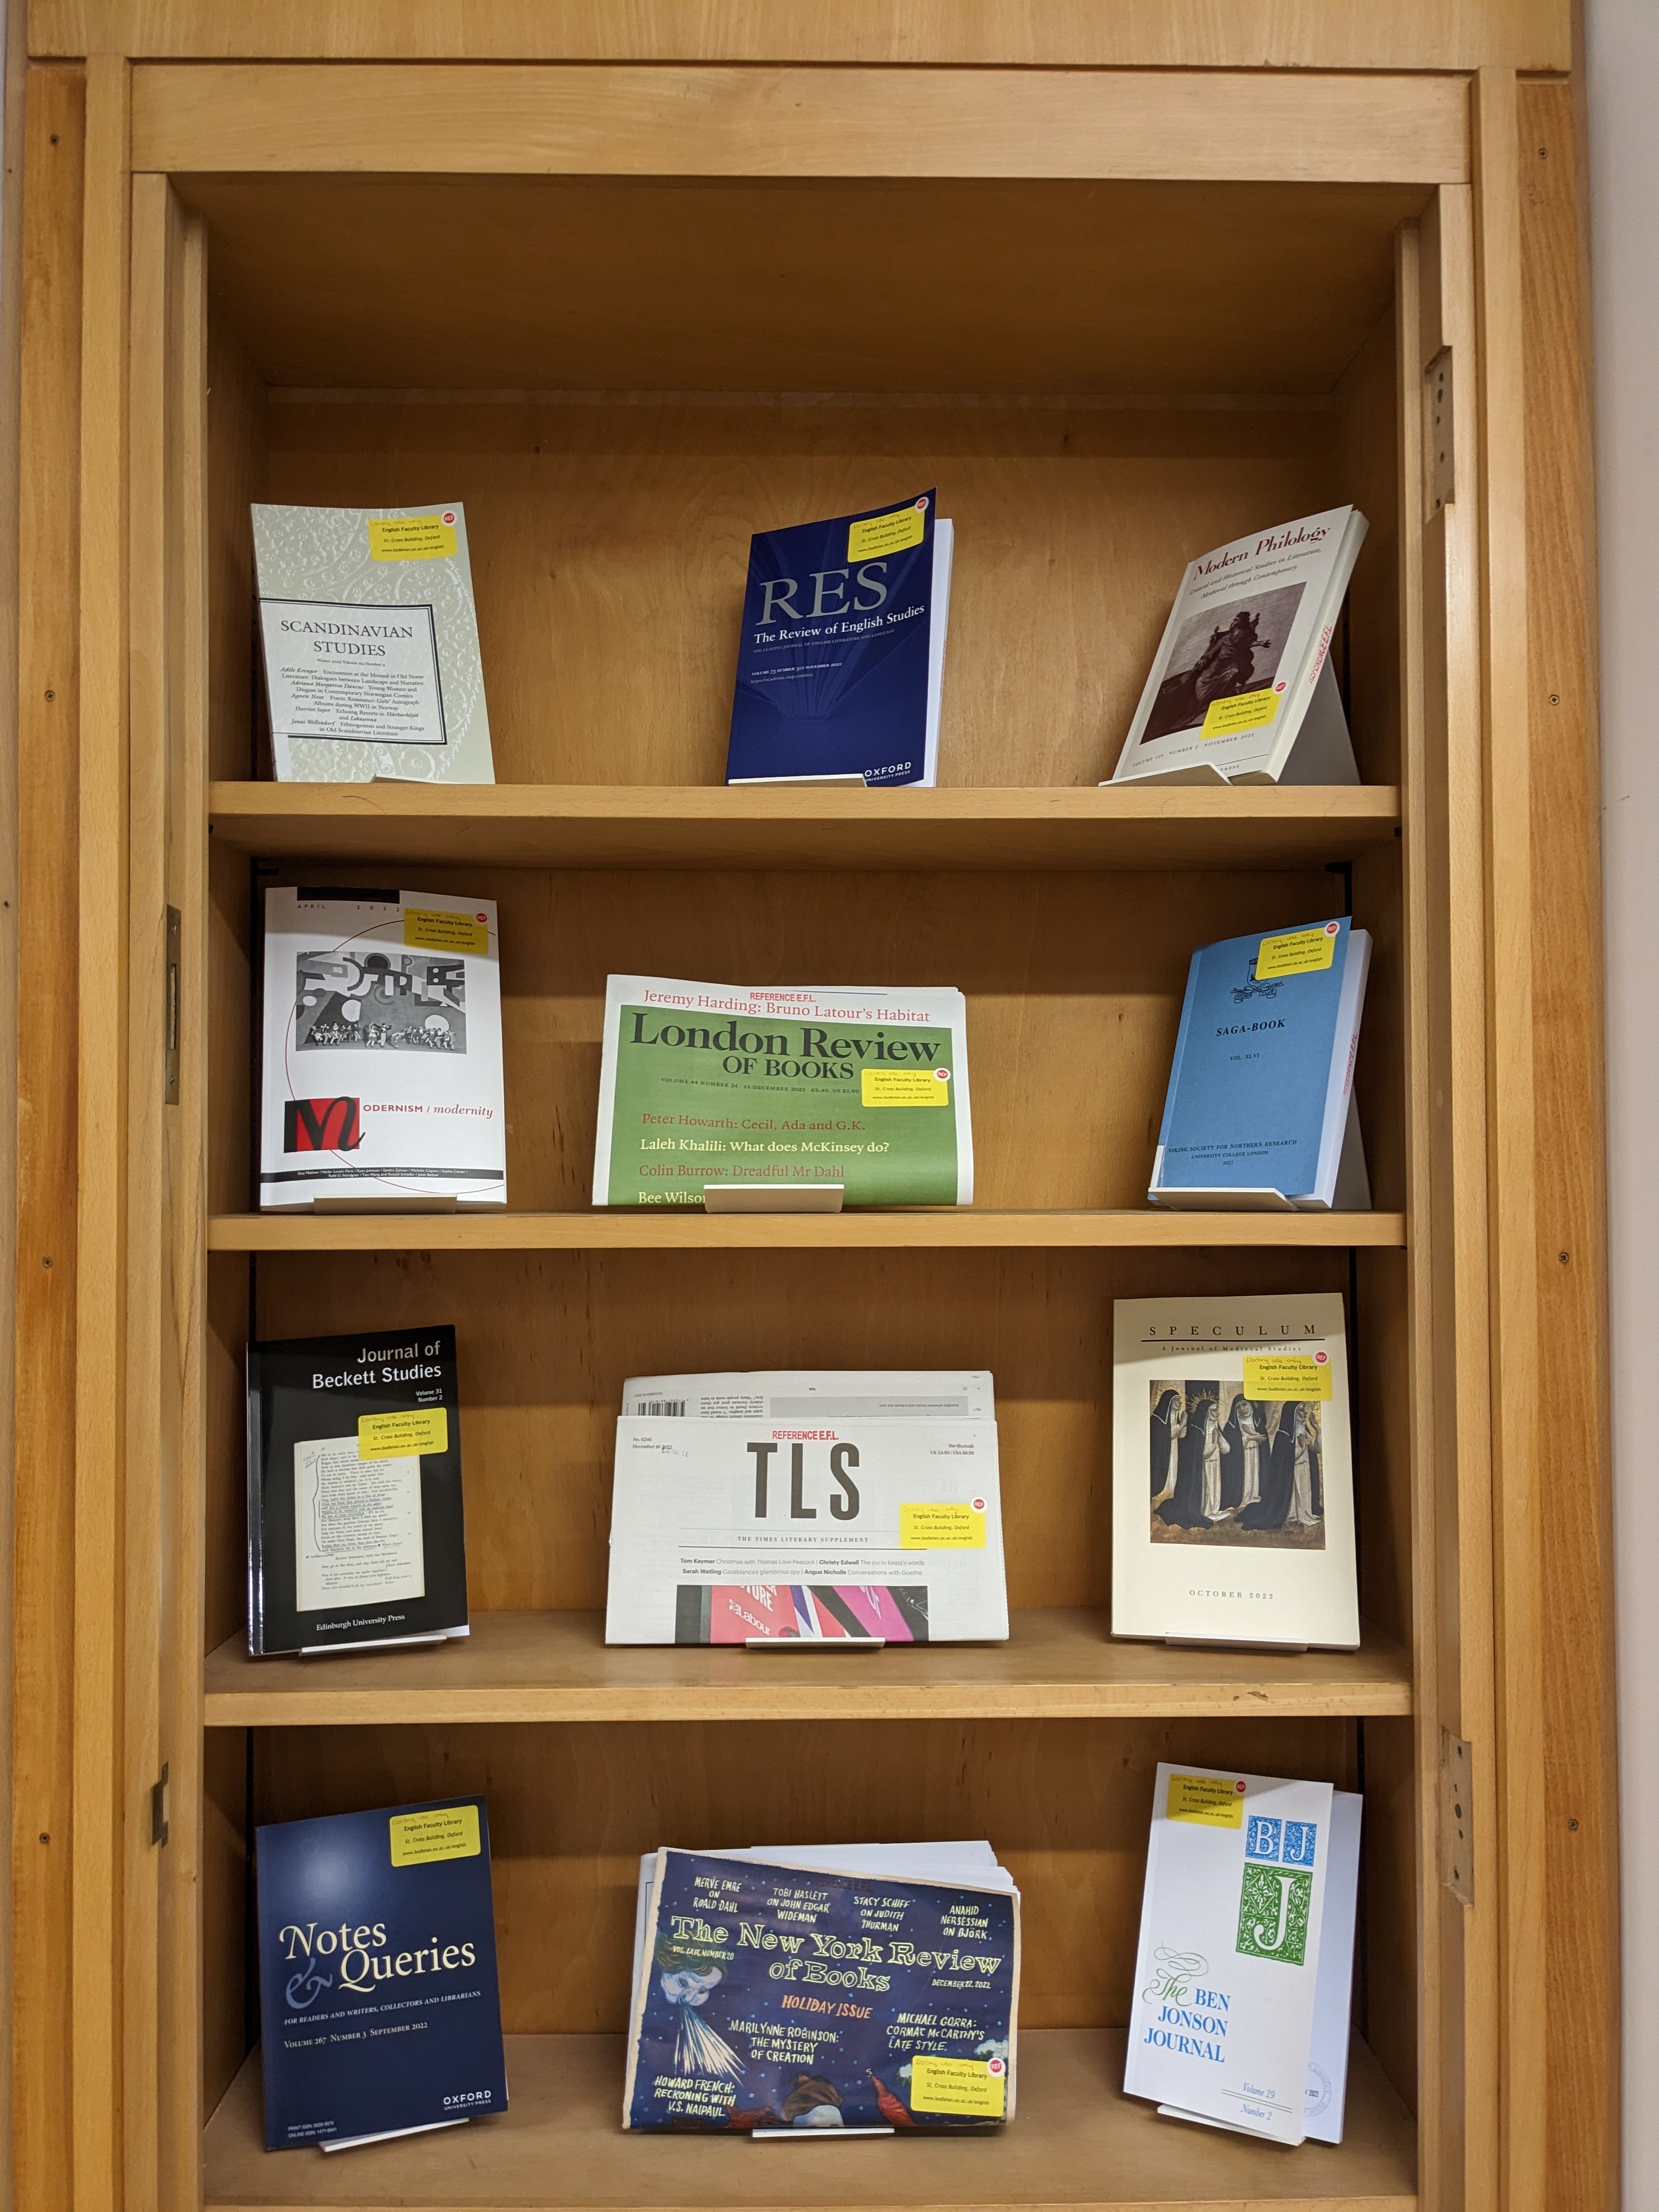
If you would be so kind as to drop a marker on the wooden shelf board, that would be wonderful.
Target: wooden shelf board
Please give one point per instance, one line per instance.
(1077, 2140)
(710, 826)
(653, 1229)
(1059, 1663)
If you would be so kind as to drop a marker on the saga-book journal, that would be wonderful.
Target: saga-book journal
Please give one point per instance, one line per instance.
(1260, 1109)
(377, 1995)
(382, 1063)
(777, 1997)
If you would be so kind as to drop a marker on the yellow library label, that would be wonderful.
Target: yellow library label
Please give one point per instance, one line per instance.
(975, 2086)
(451, 1833)
(1285, 1375)
(942, 1527)
(1296, 952)
(400, 1436)
(412, 538)
(1208, 1800)
(434, 929)
(1246, 710)
(885, 533)
(904, 1086)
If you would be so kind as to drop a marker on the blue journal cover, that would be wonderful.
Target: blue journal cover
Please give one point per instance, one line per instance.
(842, 650)
(771, 1997)
(1263, 1063)
(377, 1995)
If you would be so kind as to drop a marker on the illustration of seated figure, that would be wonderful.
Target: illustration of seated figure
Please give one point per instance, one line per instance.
(1227, 664)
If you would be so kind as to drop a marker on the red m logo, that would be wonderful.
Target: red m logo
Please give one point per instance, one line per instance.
(321, 1125)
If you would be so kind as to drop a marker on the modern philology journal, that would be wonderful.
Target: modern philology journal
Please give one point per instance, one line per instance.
(841, 662)
(377, 1995)
(381, 1083)
(772, 1996)
(370, 639)
(1243, 670)
(354, 1528)
(1232, 1481)
(712, 1083)
(757, 1507)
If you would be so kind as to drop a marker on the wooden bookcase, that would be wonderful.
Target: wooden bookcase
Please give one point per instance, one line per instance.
(631, 284)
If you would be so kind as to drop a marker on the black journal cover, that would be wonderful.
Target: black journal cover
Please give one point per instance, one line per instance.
(354, 1471)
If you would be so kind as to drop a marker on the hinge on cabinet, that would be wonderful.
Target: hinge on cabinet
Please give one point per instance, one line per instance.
(1456, 1827)
(158, 1810)
(170, 1043)
(1439, 444)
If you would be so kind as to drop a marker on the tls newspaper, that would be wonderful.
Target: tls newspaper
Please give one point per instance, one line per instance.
(749, 1506)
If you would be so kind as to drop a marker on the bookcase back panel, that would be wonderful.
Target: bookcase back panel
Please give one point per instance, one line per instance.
(610, 543)
(546, 1339)
(1074, 986)
(801, 283)
(1065, 1804)
(620, 414)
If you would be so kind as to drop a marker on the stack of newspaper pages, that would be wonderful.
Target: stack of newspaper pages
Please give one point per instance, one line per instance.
(799, 1991)
(807, 1506)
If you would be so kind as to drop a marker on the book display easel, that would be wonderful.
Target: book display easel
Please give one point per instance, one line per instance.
(632, 298)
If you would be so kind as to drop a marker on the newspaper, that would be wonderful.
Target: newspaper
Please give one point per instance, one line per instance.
(712, 1083)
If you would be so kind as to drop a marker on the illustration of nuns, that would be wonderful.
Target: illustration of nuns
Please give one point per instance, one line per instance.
(1306, 1488)
(1185, 1508)
(1168, 1426)
(1251, 1430)
(1213, 1445)
(1277, 1479)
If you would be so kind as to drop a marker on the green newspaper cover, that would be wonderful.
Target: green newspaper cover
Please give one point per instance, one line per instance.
(709, 1083)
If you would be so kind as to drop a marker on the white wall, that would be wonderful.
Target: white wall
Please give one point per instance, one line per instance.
(1622, 41)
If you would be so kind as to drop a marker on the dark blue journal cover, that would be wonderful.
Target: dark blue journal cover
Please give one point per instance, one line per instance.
(833, 668)
(377, 1995)
(771, 1997)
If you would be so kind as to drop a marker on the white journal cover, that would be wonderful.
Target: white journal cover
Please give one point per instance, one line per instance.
(868, 1527)
(792, 1394)
(1327, 2062)
(370, 640)
(1222, 2021)
(1241, 656)
(1232, 1514)
(382, 1030)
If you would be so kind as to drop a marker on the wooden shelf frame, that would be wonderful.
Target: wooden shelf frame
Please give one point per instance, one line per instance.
(705, 826)
(1497, 1328)
(1059, 1664)
(680, 1229)
(1077, 2145)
